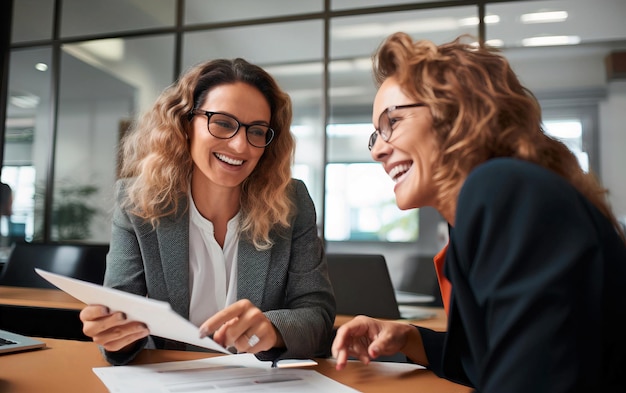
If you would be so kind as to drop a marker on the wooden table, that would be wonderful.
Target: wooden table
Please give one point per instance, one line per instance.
(438, 323)
(37, 297)
(66, 366)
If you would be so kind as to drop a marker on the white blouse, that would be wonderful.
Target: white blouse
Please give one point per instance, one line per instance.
(212, 270)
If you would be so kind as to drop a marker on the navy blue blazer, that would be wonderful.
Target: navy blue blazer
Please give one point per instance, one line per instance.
(538, 287)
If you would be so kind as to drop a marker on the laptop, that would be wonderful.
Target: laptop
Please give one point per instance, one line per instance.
(363, 286)
(13, 342)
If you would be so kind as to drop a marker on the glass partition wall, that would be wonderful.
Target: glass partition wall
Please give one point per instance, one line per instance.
(80, 72)
(360, 203)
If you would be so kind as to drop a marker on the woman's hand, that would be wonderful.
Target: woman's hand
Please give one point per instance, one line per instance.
(111, 330)
(367, 338)
(244, 327)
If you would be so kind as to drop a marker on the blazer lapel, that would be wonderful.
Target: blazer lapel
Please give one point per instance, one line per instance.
(252, 268)
(173, 238)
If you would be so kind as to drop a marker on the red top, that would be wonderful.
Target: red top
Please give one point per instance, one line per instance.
(445, 286)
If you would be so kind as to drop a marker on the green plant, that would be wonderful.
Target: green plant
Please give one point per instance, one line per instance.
(72, 215)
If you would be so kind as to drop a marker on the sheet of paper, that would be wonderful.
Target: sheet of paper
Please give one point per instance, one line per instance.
(233, 373)
(157, 315)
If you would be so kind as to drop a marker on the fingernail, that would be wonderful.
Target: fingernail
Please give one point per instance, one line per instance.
(203, 332)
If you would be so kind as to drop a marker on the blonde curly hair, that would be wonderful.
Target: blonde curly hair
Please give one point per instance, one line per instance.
(480, 110)
(156, 153)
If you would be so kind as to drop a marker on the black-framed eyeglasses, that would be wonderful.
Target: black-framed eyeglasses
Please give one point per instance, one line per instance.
(224, 126)
(385, 124)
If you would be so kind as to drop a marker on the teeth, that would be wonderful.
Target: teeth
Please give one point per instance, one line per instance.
(397, 170)
(228, 160)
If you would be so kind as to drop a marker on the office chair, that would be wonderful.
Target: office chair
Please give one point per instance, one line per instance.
(82, 261)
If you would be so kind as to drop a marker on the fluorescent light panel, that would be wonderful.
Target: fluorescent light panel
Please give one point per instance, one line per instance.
(544, 17)
(551, 40)
(25, 101)
(473, 20)
(368, 30)
(495, 43)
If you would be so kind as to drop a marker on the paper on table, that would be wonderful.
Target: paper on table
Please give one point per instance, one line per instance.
(220, 374)
(157, 315)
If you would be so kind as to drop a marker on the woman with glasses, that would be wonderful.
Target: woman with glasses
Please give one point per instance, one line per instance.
(536, 262)
(209, 219)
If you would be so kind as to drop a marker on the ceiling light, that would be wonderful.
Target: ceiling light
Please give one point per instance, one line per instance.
(495, 43)
(41, 67)
(473, 20)
(551, 40)
(24, 101)
(544, 17)
(492, 19)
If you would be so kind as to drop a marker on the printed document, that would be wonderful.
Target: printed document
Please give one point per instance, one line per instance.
(232, 373)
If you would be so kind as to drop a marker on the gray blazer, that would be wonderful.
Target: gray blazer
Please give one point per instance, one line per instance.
(288, 282)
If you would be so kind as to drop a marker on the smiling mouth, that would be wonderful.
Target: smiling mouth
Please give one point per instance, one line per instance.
(397, 172)
(228, 160)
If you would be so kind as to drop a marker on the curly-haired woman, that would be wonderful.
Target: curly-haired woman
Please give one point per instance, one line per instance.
(535, 267)
(209, 219)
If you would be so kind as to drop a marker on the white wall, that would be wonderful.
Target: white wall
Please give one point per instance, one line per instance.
(86, 153)
(612, 141)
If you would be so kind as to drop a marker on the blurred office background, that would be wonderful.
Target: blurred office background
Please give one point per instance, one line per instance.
(75, 73)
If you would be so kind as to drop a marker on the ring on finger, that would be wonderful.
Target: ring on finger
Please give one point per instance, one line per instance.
(253, 340)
